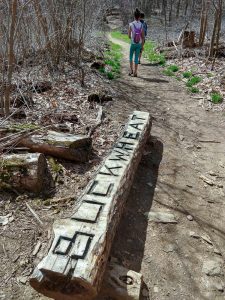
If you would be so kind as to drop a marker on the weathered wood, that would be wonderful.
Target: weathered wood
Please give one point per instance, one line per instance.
(76, 261)
(61, 145)
(120, 283)
(189, 39)
(26, 172)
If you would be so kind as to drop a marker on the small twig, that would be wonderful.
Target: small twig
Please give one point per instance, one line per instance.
(62, 199)
(34, 213)
(9, 116)
(175, 46)
(210, 141)
(3, 246)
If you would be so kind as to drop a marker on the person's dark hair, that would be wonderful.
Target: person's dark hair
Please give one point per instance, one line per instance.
(137, 14)
(142, 15)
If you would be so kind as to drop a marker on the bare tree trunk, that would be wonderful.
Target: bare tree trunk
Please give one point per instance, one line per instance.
(186, 7)
(171, 11)
(216, 29)
(204, 21)
(13, 12)
(178, 9)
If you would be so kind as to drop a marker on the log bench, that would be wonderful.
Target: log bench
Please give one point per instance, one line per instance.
(75, 264)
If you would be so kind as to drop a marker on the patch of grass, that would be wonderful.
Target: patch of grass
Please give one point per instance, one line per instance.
(152, 55)
(193, 81)
(120, 36)
(110, 75)
(112, 61)
(21, 127)
(194, 90)
(173, 68)
(168, 72)
(187, 74)
(102, 70)
(149, 48)
(216, 98)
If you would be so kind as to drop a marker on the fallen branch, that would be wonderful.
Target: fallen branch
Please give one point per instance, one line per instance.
(98, 122)
(34, 213)
(210, 141)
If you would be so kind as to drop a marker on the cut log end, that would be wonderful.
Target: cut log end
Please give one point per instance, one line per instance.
(59, 287)
(26, 172)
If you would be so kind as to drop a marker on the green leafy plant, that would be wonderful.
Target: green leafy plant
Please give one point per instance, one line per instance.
(194, 90)
(187, 74)
(193, 81)
(112, 61)
(216, 97)
(173, 68)
(110, 75)
(168, 72)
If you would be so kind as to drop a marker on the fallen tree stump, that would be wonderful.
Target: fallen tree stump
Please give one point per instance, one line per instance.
(26, 172)
(61, 145)
(76, 261)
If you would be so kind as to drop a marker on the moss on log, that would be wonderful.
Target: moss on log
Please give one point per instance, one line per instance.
(26, 172)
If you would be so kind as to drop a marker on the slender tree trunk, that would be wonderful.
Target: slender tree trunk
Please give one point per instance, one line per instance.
(13, 12)
(178, 9)
(216, 30)
(204, 21)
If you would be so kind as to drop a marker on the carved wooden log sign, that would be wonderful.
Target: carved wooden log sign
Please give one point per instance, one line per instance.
(76, 261)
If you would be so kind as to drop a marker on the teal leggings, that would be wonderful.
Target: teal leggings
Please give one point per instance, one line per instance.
(135, 48)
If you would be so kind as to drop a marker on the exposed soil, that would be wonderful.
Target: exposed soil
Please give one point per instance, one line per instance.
(187, 142)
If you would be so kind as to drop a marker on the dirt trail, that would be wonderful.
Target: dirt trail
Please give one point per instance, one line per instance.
(187, 142)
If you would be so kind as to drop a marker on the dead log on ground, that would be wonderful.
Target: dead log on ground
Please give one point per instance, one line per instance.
(75, 264)
(26, 172)
(61, 145)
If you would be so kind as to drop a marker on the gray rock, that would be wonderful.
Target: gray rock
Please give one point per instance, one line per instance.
(217, 284)
(194, 235)
(190, 218)
(217, 251)
(170, 248)
(161, 217)
(22, 279)
(212, 268)
(181, 137)
(207, 239)
(4, 220)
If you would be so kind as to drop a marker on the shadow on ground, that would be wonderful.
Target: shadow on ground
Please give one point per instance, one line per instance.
(129, 243)
(156, 80)
(151, 64)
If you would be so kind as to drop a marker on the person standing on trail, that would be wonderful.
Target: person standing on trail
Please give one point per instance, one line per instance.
(145, 28)
(136, 34)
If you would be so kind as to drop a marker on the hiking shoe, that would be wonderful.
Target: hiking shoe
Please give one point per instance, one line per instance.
(131, 73)
(135, 75)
